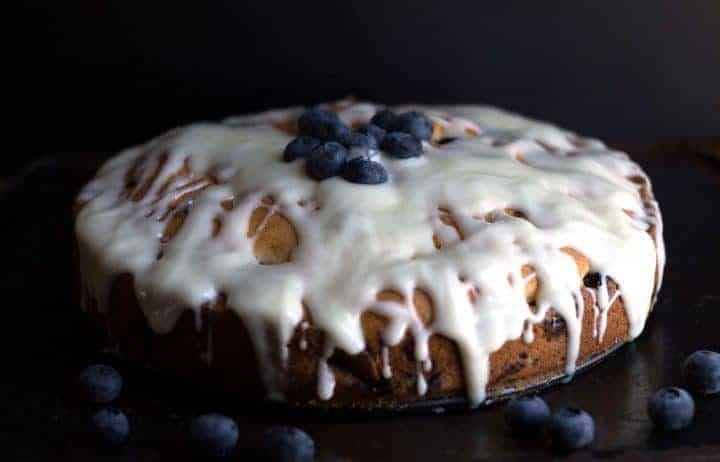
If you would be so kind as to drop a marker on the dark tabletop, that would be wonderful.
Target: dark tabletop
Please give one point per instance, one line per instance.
(48, 341)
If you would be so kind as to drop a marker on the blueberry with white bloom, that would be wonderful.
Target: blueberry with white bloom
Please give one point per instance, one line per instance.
(299, 148)
(288, 444)
(214, 435)
(110, 427)
(526, 415)
(364, 171)
(383, 118)
(322, 124)
(570, 428)
(414, 123)
(671, 408)
(326, 160)
(361, 140)
(401, 145)
(701, 372)
(99, 383)
(374, 131)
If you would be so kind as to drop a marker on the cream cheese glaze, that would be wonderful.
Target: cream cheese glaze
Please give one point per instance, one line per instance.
(357, 240)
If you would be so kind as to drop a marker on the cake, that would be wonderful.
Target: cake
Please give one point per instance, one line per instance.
(473, 254)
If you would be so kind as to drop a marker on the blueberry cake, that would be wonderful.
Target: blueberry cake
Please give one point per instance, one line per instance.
(353, 255)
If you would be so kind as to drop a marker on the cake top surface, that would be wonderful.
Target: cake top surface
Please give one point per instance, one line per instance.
(446, 222)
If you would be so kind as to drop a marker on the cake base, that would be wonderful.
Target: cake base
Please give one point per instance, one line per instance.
(213, 349)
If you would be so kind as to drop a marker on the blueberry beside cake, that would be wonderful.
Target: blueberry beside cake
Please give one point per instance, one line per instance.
(352, 255)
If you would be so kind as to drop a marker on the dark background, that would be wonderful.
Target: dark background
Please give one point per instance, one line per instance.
(95, 76)
(101, 75)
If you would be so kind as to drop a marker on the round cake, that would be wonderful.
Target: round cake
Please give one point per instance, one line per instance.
(351, 255)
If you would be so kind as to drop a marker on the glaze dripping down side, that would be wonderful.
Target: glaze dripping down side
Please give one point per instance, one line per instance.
(513, 212)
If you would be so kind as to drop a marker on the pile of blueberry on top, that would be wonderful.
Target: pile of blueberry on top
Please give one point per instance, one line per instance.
(330, 148)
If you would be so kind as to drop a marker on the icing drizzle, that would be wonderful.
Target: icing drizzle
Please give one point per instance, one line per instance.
(357, 240)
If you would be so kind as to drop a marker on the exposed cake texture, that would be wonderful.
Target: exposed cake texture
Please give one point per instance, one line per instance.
(508, 253)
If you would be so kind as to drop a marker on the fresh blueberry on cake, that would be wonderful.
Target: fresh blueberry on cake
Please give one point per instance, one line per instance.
(383, 119)
(359, 140)
(570, 428)
(366, 278)
(364, 171)
(300, 148)
(214, 434)
(99, 383)
(322, 124)
(414, 123)
(701, 371)
(526, 415)
(288, 444)
(109, 427)
(374, 131)
(592, 280)
(401, 145)
(326, 160)
(671, 408)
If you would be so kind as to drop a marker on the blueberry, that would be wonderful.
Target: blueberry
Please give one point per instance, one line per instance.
(401, 145)
(300, 147)
(288, 444)
(110, 427)
(326, 160)
(570, 428)
(364, 171)
(671, 408)
(592, 280)
(701, 371)
(322, 124)
(358, 140)
(383, 119)
(415, 123)
(526, 415)
(214, 434)
(374, 131)
(99, 383)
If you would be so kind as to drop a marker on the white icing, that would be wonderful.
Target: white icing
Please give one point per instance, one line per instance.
(303, 339)
(421, 382)
(325, 376)
(602, 302)
(427, 365)
(386, 370)
(356, 240)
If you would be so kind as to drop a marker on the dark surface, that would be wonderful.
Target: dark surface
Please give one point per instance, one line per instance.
(104, 74)
(48, 342)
